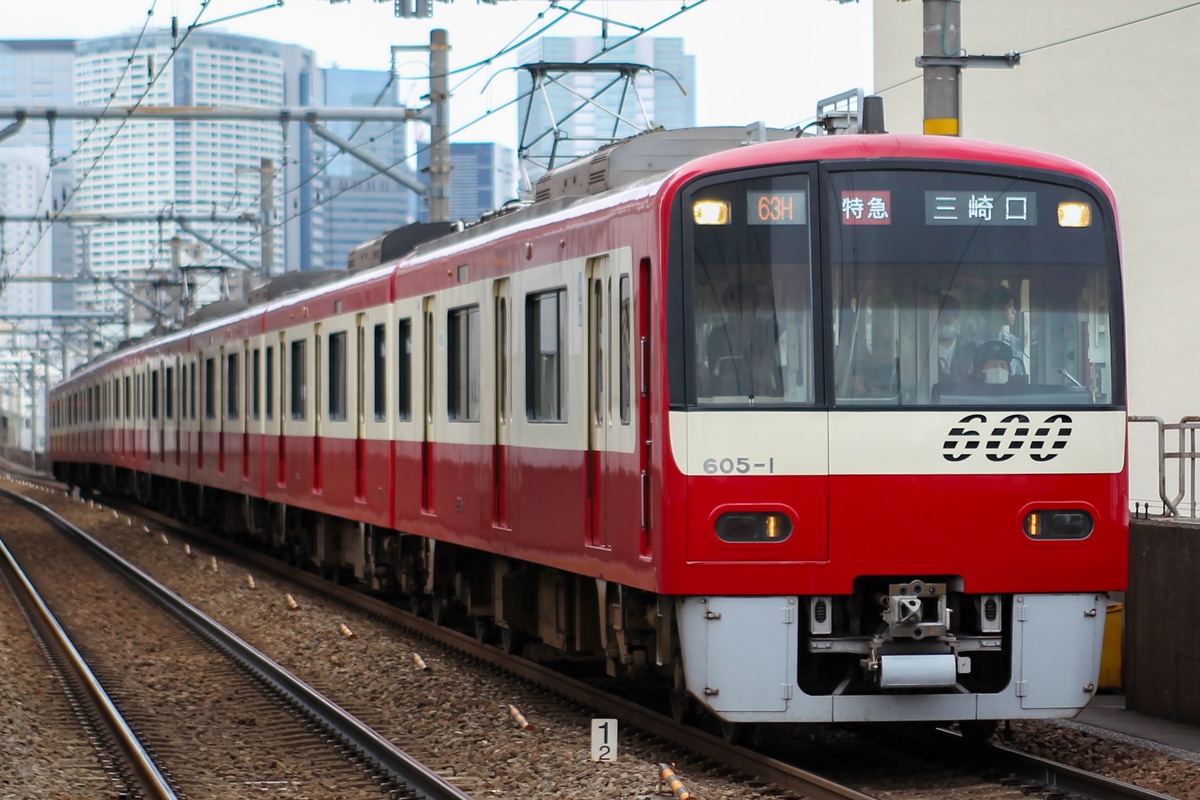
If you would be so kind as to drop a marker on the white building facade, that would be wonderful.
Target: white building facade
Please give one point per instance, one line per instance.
(1104, 82)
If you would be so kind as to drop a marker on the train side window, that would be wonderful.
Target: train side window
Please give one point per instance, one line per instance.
(128, 395)
(170, 393)
(380, 366)
(626, 355)
(545, 340)
(404, 369)
(337, 376)
(231, 386)
(154, 389)
(462, 373)
(210, 388)
(183, 392)
(192, 390)
(255, 381)
(269, 366)
(299, 386)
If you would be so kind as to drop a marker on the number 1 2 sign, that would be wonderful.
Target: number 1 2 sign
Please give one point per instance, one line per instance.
(604, 740)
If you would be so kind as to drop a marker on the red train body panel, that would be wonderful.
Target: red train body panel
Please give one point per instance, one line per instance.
(649, 421)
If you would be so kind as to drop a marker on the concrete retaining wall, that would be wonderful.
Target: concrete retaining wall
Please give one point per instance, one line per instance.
(1161, 645)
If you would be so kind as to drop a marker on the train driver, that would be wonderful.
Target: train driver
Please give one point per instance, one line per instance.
(993, 362)
(1000, 319)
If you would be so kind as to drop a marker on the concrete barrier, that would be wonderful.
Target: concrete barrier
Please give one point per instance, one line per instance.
(1161, 647)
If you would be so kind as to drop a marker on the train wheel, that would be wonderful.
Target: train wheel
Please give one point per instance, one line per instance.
(977, 731)
(683, 707)
(737, 732)
(484, 629)
(510, 640)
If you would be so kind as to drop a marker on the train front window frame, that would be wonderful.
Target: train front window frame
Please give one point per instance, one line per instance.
(885, 243)
(966, 290)
(748, 283)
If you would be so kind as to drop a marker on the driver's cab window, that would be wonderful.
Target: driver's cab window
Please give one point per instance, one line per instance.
(945, 299)
(751, 293)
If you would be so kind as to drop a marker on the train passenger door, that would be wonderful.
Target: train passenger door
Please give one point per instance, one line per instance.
(360, 412)
(503, 410)
(609, 371)
(428, 348)
(318, 482)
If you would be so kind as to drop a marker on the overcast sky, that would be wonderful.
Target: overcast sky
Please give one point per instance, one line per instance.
(767, 60)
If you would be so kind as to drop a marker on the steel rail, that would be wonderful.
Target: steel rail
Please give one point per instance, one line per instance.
(46, 626)
(701, 743)
(397, 764)
(1029, 769)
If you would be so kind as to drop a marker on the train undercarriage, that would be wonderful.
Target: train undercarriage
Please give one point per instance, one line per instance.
(897, 648)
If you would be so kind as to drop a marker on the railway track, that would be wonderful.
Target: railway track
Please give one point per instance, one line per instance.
(213, 716)
(1008, 774)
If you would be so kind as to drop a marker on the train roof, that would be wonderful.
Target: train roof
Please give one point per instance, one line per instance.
(638, 168)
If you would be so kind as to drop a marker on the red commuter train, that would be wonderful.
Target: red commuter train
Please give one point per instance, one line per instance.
(824, 429)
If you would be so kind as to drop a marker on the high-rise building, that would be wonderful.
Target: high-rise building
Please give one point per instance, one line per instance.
(37, 73)
(197, 168)
(482, 178)
(665, 95)
(360, 204)
(33, 177)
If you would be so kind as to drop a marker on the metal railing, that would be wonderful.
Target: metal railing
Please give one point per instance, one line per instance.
(1184, 457)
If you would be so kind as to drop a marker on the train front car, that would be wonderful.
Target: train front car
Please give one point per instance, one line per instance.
(897, 415)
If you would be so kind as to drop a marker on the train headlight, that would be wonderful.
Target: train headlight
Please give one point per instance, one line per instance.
(710, 212)
(1058, 525)
(1074, 215)
(753, 526)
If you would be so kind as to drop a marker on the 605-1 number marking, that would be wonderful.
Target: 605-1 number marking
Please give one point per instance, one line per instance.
(737, 466)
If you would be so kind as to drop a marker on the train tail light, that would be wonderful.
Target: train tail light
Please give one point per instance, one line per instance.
(753, 526)
(820, 615)
(1058, 525)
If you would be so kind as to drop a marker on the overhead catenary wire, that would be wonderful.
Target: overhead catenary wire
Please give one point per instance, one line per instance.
(684, 8)
(1070, 39)
(116, 132)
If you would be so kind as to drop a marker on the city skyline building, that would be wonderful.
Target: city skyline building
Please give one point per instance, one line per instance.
(360, 204)
(482, 179)
(33, 174)
(195, 168)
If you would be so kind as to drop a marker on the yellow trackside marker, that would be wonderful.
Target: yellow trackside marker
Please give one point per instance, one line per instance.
(250, 581)
(212, 563)
(420, 662)
(515, 714)
(667, 775)
(291, 603)
(349, 634)
(187, 551)
(164, 538)
(941, 127)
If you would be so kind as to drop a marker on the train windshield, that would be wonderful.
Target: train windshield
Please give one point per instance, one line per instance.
(955, 288)
(944, 288)
(752, 292)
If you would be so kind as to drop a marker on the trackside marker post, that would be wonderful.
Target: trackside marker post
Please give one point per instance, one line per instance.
(604, 740)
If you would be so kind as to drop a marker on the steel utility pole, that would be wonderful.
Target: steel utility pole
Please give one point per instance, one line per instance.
(943, 62)
(439, 136)
(943, 84)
